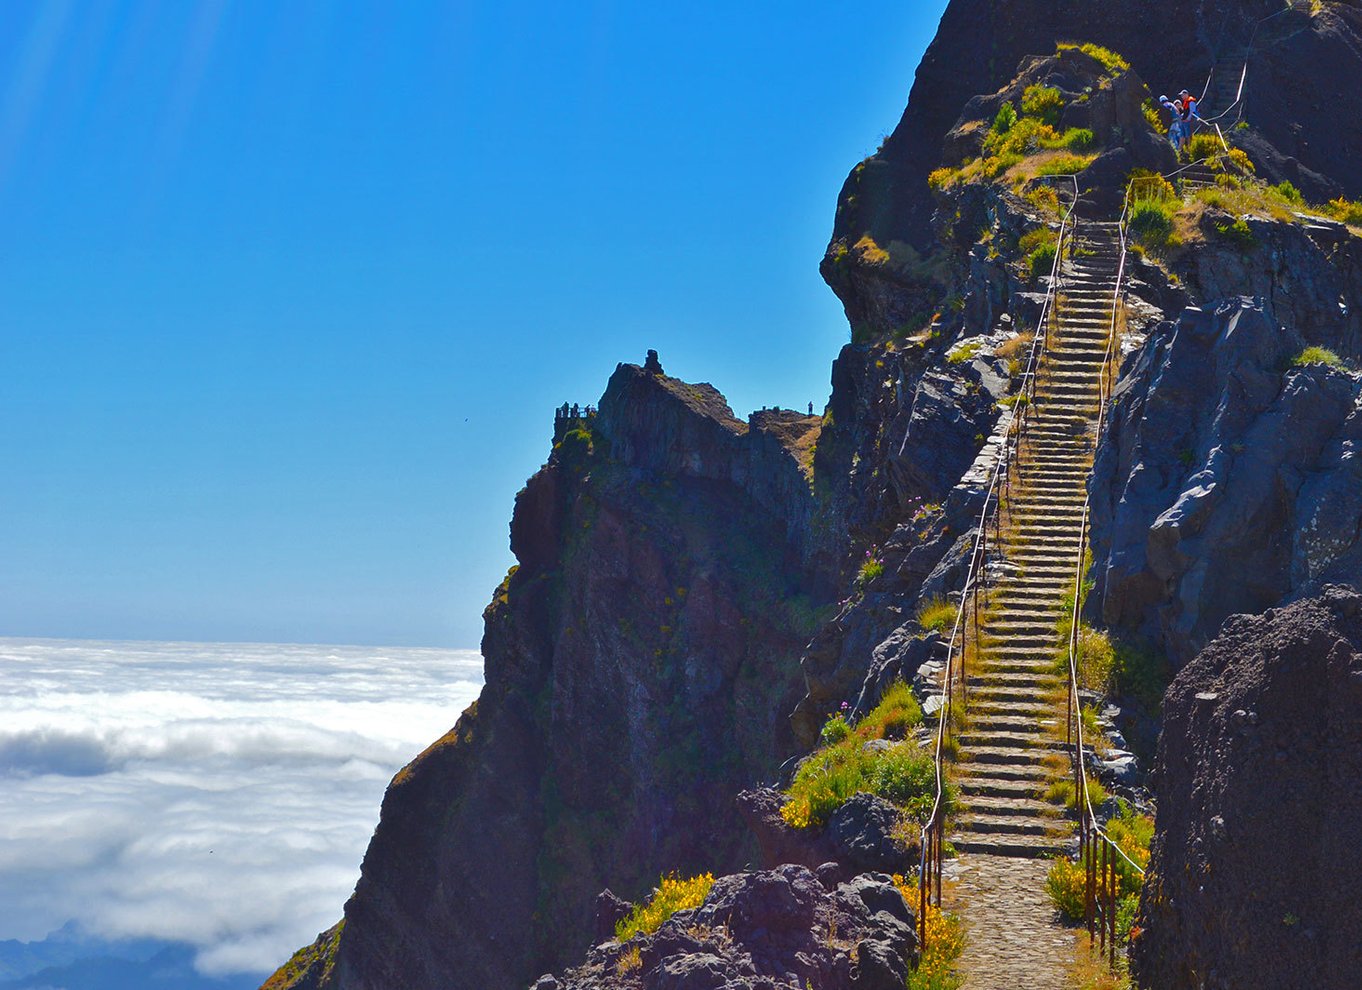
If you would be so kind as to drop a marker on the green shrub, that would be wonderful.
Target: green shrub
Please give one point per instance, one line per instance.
(904, 774)
(1153, 117)
(1096, 655)
(896, 713)
(1317, 355)
(1041, 261)
(1147, 185)
(673, 894)
(835, 729)
(1348, 211)
(826, 781)
(996, 165)
(1204, 146)
(1151, 224)
(936, 614)
(1078, 139)
(1037, 248)
(871, 568)
(1289, 193)
(1006, 117)
(1238, 233)
(1066, 881)
(1151, 220)
(1042, 103)
(1062, 791)
(1023, 137)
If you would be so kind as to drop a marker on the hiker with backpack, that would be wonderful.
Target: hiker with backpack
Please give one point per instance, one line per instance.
(1178, 128)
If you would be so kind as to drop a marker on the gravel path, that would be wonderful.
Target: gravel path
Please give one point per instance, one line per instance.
(1012, 941)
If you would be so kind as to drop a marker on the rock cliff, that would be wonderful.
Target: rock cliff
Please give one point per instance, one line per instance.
(639, 663)
(1228, 480)
(1254, 876)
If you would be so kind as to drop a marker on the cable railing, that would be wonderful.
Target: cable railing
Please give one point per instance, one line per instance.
(954, 677)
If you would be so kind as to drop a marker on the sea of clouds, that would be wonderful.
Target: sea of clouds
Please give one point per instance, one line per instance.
(219, 795)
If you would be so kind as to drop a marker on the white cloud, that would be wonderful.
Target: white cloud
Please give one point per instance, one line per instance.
(220, 795)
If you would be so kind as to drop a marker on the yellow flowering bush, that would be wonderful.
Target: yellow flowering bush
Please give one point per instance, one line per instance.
(945, 941)
(673, 894)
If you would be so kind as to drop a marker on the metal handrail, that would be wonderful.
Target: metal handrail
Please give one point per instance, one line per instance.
(933, 831)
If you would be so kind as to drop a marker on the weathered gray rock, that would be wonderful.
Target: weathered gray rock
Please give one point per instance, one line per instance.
(779, 842)
(1227, 481)
(862, 833)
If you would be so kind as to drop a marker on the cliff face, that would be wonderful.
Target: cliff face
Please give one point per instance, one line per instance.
(639, 662)
(1227, 480)
(1254, 876)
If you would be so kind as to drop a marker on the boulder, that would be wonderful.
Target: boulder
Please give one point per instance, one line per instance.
(1254, 873)
(778, 929)
(862, 833)
(778, 841)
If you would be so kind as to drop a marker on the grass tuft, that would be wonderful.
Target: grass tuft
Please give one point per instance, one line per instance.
(1317, 355)
(936, 614)
(1110, 60)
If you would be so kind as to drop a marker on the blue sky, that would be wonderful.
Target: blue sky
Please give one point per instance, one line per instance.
(289, 291)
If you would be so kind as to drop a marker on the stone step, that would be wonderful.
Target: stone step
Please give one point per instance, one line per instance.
(1002, 723)
(999, 694)
(995, 758)
(1007, 825)
(1017, 773)
(1008, 806)
(1001, 788)
(1019, 846)
(1007, 605)
(1052, 528)
(1037, 686)
(1040, 606)
(1018, 624)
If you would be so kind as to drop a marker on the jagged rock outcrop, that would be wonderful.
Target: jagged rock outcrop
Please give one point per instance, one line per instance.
(1228, 480)
(639, 666)
(1254, 875)
(775, 930)
(1294, 99)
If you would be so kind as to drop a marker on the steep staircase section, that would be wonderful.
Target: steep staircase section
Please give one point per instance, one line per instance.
(1225, 79)
(1013, 745)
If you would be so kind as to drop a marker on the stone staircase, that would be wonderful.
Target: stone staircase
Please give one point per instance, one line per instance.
(1229, 70)
(1012, 747)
